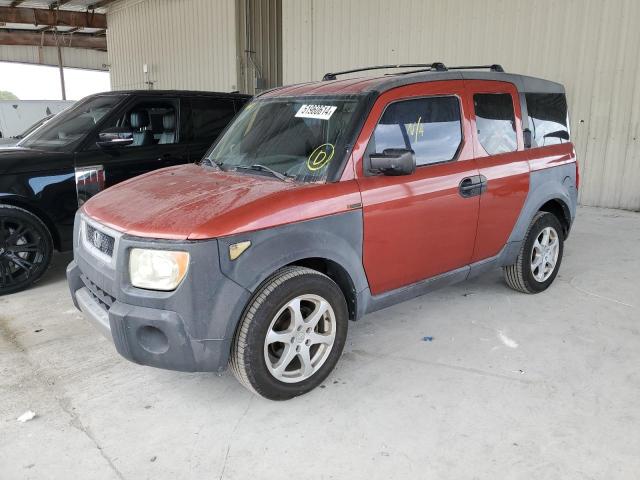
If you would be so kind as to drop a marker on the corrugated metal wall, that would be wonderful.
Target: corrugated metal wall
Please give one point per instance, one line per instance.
(591, 46)
(71, 57)
(259, 36)
(187, 44)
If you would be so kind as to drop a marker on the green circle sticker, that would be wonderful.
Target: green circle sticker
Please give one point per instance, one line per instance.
(320, 157)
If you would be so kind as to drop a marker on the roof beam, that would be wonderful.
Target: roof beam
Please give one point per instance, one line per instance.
(62, 18)
(58, 4)
(51, 39)
(62, 32)
(100, 4)
(15, 3)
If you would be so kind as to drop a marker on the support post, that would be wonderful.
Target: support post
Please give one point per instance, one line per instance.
(60, 66)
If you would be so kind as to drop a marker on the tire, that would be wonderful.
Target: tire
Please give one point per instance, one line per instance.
(522, 276)
(26, 248)
(268, 354)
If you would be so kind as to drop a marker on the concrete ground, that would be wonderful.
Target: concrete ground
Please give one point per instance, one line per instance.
(510, 386)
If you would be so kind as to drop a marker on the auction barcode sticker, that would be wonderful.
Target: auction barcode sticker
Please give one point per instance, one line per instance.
(321, 112)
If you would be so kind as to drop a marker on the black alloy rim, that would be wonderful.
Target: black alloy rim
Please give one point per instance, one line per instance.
(20, 251)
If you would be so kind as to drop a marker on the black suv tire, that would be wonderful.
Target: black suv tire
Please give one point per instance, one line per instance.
(252, 353)
(520, 276)
(26, 248)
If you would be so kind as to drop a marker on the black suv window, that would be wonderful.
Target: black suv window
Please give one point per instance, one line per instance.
(548, 119)
(495, 122)
(431, 127)
(153, 121)
(72, 124)
(209, 116)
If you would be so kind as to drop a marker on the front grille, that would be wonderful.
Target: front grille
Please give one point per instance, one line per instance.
(99, 240)
(104, 299)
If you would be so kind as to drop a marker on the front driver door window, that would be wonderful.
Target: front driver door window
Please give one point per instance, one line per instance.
(431, 127)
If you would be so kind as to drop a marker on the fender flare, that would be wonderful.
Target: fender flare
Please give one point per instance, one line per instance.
(546, 185)
(337, 238)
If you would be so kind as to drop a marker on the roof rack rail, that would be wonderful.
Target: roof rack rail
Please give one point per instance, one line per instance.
(437, 66)
(494, 68)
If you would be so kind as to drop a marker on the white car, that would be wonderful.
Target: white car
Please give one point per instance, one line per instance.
(12, 141)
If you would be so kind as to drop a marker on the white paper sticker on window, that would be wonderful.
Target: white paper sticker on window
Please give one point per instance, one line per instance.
(321, 112)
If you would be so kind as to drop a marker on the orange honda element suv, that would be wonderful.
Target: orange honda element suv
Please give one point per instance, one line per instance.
(323, 202)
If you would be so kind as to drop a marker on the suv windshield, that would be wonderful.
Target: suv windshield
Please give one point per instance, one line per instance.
(302, 138)
(72, 124)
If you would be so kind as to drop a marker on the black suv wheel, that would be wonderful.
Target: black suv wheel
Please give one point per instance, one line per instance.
(540, 256)
(25, 249)
(291, 335)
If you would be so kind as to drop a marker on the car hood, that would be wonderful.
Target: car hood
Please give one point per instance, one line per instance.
(15, 160)
(194, 202)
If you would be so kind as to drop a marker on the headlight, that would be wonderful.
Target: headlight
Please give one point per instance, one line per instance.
(157, 269)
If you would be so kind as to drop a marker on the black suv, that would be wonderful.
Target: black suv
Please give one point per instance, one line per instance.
(102, 140)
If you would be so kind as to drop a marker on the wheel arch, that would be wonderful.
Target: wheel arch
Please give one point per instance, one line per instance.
(331, 245)
(338, 274)
(552, 190)
(561, 211)
(19, 202)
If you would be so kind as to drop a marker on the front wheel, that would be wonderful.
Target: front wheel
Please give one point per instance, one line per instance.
(291, 335)
(540, 256)
(25, 249)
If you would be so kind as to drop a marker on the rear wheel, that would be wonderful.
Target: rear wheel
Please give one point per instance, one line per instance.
(540, 256)
(291, 335)
(25, 249)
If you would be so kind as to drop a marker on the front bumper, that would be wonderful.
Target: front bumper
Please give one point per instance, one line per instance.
(189, 329)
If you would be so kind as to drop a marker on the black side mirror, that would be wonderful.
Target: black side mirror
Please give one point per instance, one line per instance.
(394, 161)
(526, 136)
(115, 137)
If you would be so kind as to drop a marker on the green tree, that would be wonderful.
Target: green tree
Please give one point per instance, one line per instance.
(4, 95)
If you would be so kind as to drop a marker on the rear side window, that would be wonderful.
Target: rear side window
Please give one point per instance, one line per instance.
(495, 122)
(209, 116)
(430, 127)
(548, 118)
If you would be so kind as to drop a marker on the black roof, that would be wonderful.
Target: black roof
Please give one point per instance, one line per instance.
(176, 93)
(380, 84)
(523, 83)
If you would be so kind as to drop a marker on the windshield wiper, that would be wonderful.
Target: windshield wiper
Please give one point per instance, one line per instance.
(262, 168)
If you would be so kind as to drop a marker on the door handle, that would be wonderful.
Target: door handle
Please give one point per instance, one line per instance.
(164, 157)
(473, 186)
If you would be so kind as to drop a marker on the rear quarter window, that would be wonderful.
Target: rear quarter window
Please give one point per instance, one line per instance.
(209, 116)
(548, 118)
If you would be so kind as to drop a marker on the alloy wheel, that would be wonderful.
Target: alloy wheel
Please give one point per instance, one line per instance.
(300, 338)
(21, 252)
(544, 255)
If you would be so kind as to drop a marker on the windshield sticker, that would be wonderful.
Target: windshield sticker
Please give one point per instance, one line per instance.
(320, 112)
(320, 157)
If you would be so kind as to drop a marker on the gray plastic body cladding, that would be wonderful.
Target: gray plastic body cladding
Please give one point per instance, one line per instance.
(195, 317)
(337, 238)
(387, 299)
(555, 183)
